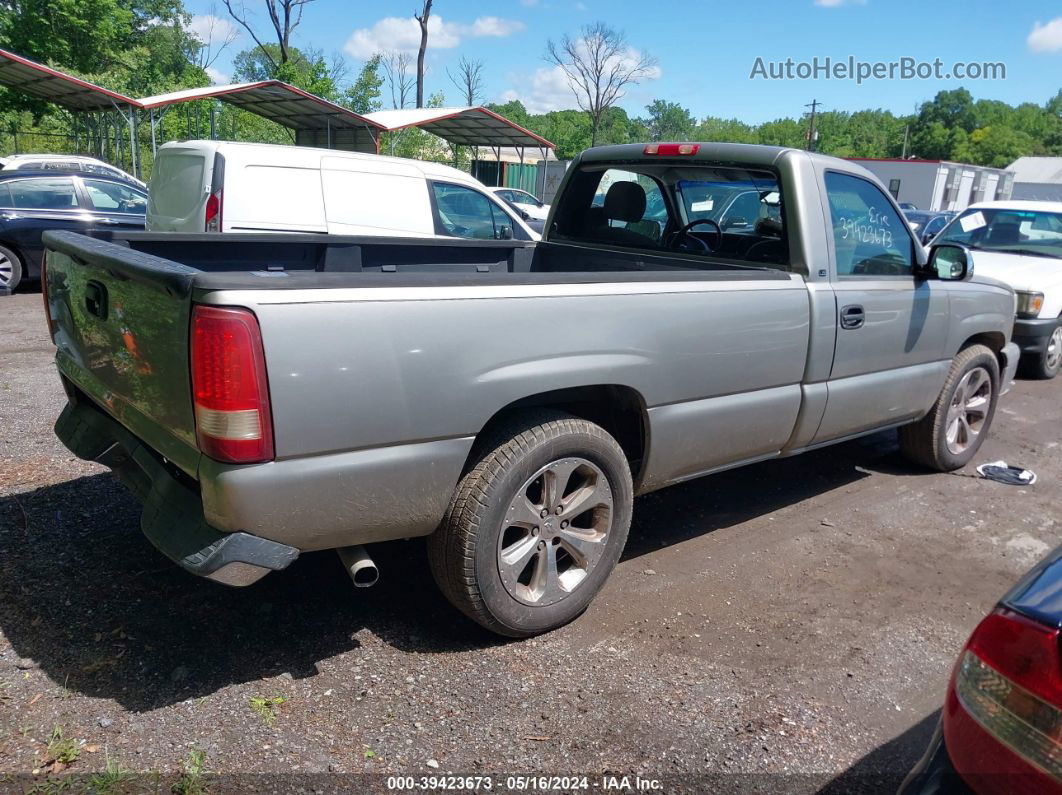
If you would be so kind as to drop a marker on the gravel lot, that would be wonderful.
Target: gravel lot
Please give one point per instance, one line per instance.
(789, 627)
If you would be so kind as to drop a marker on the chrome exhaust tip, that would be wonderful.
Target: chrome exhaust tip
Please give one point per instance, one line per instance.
(359, 566)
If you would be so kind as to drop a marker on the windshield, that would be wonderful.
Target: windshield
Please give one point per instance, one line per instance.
(1030, 232)
(733, 205)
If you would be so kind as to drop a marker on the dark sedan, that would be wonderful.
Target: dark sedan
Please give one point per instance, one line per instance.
(33, 201)
(1001, 728)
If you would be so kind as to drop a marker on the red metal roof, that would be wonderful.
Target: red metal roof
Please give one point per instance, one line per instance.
(43, 82)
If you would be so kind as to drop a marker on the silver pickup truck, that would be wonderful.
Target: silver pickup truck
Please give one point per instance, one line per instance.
(692, 307)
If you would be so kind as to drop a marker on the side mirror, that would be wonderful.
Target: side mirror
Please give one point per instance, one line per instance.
(949, 262)
(926, 237)
(504, 233)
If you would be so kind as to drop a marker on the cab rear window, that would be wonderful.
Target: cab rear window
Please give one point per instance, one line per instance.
(711, 212)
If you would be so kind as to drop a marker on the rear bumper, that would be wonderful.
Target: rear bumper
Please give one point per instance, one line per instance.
(1031, 335)
(173, 510)
(934, 774)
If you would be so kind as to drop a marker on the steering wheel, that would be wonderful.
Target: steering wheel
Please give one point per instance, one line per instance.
(679, 238)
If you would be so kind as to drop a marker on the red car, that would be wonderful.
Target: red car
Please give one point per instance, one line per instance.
(1001, 728)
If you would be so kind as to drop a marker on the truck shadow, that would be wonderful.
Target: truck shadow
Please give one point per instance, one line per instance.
(87, 598)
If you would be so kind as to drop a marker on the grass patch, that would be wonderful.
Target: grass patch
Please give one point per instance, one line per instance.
(112, 780)
(62, 750)
(191, 780)
(266, 708)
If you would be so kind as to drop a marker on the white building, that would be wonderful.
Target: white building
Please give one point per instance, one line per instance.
(939, 184)
(1037, 178)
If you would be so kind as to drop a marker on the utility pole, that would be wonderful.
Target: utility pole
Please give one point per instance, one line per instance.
(814, 105)
(906, 134)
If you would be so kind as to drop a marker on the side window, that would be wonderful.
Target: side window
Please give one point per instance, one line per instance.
(869, 236)
(632, 210)
(109, 197)
(44, 194)
(99, 168)
(5, 195)
(464, 212)
(743, 213)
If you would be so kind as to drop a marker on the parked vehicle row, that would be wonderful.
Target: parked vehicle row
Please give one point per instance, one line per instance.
(270, 394)
(34, 201)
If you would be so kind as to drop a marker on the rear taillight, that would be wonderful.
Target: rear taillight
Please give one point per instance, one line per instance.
(671, 149)
(229, 387)
(1003, 716)
(213, 212)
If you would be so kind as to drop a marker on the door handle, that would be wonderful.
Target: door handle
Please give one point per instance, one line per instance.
(852, 316)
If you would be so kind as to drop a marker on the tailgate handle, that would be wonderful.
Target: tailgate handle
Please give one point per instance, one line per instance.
(96, 299)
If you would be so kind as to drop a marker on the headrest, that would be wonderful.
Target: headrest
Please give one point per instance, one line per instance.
(1004, 234)
(625, 201)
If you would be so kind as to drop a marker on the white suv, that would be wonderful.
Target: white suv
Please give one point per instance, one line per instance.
(1020, 243)
(68, 163)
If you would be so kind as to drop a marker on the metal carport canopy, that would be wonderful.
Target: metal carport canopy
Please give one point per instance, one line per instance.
(469, 126)
(43, 82)
(271, 99)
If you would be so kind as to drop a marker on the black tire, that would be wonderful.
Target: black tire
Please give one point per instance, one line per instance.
(463, 551)
(11, 271)
(1045, 365)
(925, 442)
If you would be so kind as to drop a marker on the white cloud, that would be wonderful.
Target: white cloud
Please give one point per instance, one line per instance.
(495, 26)
(402, 34)
(212, 30)
(1046, 38)
(835, 3)
(548, 88)
(217, 77)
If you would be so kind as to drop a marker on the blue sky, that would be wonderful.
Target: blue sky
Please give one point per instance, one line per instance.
(705, 50)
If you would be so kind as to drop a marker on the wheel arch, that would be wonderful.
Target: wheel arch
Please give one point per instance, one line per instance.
(995, 341)
(619, 409)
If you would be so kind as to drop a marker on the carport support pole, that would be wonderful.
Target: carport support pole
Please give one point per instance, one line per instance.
(151, 119)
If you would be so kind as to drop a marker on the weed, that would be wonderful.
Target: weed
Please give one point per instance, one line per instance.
(191, 780)
(368, 753)
(266, 708)
(61, 749)
(112, 779)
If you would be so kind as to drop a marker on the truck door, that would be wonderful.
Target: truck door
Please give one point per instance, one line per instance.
(891, 326)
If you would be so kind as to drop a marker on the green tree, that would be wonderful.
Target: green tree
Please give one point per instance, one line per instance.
(667, 121)
(725, 131)
(999, 146)
(363, 95)
(950, 108)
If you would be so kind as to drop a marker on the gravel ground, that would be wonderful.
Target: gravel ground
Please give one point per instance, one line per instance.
(784, 627)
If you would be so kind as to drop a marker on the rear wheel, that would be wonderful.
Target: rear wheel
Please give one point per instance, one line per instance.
(1048, 362)
(536, 526)
(954, 429)
(10, 269)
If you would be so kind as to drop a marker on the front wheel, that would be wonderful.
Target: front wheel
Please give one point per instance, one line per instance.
(1048, 362)
(536, 526)
(954, 429)
(10, 269)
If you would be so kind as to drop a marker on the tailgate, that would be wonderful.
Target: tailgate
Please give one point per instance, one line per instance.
(120, 322)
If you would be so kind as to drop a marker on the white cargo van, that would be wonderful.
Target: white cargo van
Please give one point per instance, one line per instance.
(220, 186)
